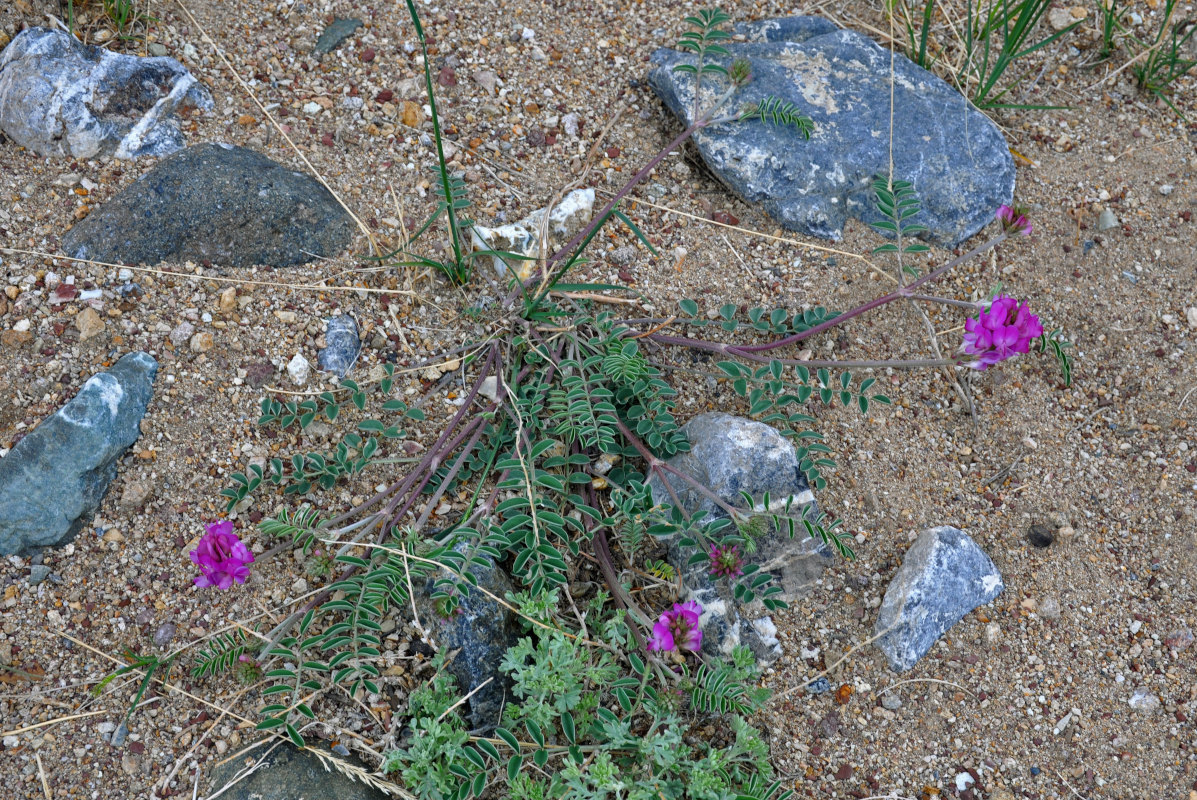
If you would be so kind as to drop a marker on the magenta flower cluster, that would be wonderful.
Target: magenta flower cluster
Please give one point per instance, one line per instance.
(1006, 328)
(678, 629)
(1014, 220)
(221, 557)
(726, 562)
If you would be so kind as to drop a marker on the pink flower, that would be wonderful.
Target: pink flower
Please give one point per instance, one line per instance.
(726, 561)
(221, 557)
(1000, 332)
(678, 629)
(1014, 220)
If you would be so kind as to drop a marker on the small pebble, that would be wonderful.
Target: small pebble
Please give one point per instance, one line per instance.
(299, 370)
(1143, 699)
(1107, 220)
(38, 573)
(165, 632)
(1040, 535)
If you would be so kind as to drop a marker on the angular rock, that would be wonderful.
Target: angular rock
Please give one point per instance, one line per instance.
(956, 158)
(59, 97)
(298, 369)
(88, 323)
(729, 455)
(944, 576)
(55, 477)
(483, 630)
(343, 346)
(523, 237)
(215, 203)
(288, 774)
(332, 36)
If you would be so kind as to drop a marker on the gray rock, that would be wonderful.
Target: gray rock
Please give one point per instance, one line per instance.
(955, 157)
(182, 333)
(55, 478)
(819, 685)
(729, 455)
(1107, 219)
(482, 630)
(944, 576)
(289, 774)
(59, 97)
(487, 79)
(332, 36)
(164, 633)
(38, 573)
(343, 346)
(217, 203)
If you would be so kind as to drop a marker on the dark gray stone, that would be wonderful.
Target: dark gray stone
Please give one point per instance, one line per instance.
(729, 455)
(481, 630)
(38, 573)
(944, 576)
(1040, 535)
(290, 774)
(343, 346)
(59, 97)
(332, 36)
(55, 478)
(818, 686)
(955, 157)
(218, 203)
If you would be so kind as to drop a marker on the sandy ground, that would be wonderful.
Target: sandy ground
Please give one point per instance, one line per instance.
(1028, 695)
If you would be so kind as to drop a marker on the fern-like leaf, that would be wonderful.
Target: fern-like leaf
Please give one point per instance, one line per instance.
(303, 527)
(221, 654)
(775, 111)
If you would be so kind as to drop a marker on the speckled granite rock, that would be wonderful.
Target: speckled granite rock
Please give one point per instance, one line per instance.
(954, 155)
(343, 346)
(730, 454)
(217, 203)
(54, 479)
(483, 630)
(944, 576)
(59, 97)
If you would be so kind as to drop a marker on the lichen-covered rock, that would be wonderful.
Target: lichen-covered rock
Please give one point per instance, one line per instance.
(944, 576)
(956, 158)
(59, 97)
(729, 455)
(54, 478)
(215, 203)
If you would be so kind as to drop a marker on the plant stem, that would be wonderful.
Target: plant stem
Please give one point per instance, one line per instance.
(880, 301)
(947, 301)
(632, 183)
